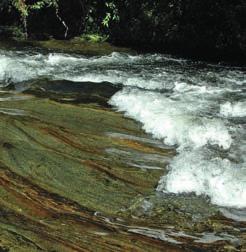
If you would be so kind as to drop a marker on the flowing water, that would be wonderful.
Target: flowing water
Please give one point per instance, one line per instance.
(199, 109)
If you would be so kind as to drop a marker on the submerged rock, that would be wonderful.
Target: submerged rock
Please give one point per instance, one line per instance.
(73, 92)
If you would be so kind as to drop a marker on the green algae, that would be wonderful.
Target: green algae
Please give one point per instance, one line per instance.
(67, 46)
(82, 47)
(37, 150)
(60, 148)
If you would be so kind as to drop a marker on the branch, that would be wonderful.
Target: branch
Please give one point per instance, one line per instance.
(63, 22)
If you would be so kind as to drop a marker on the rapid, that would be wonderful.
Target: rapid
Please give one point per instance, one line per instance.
(195, 107)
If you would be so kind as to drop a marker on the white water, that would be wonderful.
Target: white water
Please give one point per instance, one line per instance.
(237, 109)
(199, 109)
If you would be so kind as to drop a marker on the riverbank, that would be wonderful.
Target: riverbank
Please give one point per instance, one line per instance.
(211, 30)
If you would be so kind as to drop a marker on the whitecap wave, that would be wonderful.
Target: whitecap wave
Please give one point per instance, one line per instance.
(174, 121)
(198, 172)
(189, 119)
(237, 109)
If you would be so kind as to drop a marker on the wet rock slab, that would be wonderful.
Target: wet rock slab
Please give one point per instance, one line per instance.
(77, 176)
(71, 92)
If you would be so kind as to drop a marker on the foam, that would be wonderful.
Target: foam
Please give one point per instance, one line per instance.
(114, 58)
(180, 119)
(115, 68)
(173, 121)
(197, 172)
(15, 70)
(237, 109)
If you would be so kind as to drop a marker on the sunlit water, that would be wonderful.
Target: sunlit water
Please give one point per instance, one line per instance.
(198, 108)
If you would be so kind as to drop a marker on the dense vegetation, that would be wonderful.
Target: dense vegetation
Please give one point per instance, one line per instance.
(211, 28)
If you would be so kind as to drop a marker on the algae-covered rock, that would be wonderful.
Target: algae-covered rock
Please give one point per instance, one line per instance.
(77, 176)
(71, 92)
(65, 46)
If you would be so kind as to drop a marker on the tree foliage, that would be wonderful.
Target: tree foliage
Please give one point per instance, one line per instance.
(176, 25)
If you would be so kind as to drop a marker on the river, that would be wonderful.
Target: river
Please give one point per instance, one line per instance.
(197, 108)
